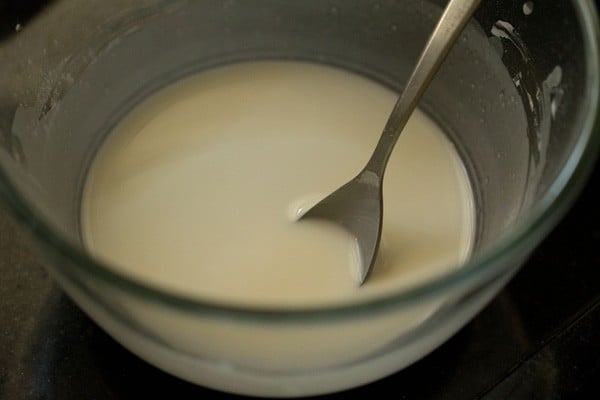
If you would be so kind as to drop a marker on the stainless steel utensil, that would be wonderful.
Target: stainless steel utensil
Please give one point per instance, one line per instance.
(358, 205)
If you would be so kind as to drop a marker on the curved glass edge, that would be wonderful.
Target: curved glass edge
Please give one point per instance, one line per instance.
(478, 270)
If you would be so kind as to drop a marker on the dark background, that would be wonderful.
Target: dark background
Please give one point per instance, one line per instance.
(539, 339)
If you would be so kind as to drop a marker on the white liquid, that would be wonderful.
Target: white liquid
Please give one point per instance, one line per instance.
(196, 190)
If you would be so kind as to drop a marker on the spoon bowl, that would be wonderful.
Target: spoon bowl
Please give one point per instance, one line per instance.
(358, 208)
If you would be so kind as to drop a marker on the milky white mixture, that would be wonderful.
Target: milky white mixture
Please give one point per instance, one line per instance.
(194, 191)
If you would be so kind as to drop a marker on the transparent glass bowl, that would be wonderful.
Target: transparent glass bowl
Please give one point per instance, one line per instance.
(518, 96)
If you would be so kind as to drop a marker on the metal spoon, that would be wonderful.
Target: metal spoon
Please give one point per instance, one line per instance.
(358, 205)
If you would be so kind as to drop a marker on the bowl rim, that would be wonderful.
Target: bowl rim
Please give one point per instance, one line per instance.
(485, 266)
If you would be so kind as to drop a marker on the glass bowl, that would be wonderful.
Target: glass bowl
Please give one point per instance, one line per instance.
(517, 96)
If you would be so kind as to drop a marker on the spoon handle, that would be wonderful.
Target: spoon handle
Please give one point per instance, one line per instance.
(455, 17)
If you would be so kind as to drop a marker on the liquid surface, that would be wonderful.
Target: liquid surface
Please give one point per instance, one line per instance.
(196, 190)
